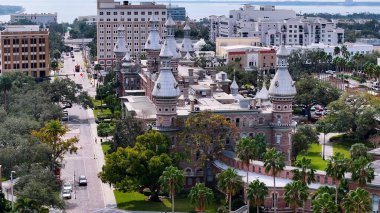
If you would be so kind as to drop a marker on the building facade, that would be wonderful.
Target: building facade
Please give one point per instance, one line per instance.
(177, 13)
(25, 48)
(134, 18)
(275, 27)
(90, 20)
(38, 18)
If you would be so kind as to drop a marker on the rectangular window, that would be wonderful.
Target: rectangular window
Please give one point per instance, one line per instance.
(108, 13)
(122, 13)
(278, 139)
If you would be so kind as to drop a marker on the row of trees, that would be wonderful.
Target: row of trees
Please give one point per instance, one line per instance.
(30, 135)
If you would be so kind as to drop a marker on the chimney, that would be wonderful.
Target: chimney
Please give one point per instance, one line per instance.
(192, 104)
(191, 72)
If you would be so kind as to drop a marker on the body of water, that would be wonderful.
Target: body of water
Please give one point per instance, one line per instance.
(68, 10)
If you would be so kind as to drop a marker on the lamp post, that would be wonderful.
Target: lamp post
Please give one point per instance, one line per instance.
(12, 172)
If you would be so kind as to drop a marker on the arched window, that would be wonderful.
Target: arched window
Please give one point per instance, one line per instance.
(274, 199)
(278, 118)
(199, 172)
(375, 203)
(188, 172)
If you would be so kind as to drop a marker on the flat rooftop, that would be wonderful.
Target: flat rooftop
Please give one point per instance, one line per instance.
(141, 105)
(21, 28)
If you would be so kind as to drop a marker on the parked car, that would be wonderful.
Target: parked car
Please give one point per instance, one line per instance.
(82, 180)
(319, 112)
(66, 194)
(330, 72)
(68, 186)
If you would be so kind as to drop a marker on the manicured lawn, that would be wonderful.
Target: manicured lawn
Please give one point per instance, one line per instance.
(342, 149)
(314, 153)
(106, 146)
(136, 201)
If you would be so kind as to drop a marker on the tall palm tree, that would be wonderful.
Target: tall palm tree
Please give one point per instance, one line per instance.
(26, 205)
(296, 193)
(171, 181)
(324, 203)
(336, 50)
(200, 196)
(274, 162)
(357, 201)
(257, 191)
(5, 87)
(362, 171)
(250, 149)
(304, 172)
(336, 167)
(229, 182)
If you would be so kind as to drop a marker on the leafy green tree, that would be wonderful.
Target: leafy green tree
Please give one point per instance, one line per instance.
(26, 205)
(337, 166)
(296, 193)
(362, 171)
(357, 201)
(172, 180)
(126, 131)
(52, 134)
(358, 150)
(155, 141)
(200, 196)
(229, 182)
(311, 91)
(204, 136)
(274, 163)
(257, 191)
(4, 204)
(354, 114)
(136, 168)
(303, 171)
(5, 87)
(324, 203)
(302, 138)
(40, 186)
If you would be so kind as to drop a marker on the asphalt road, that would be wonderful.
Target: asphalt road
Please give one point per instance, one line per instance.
(85, 162)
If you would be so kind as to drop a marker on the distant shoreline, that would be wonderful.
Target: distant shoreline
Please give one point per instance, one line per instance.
(277, 3)
(10, 9)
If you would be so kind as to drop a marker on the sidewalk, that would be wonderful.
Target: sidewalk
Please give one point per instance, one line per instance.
(329, 150)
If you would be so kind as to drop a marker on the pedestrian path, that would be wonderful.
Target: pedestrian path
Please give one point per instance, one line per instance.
(325, 141)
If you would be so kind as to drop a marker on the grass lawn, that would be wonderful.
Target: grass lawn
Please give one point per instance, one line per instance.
(137, 201)
(106, 146)
(314, 153)
(337, 147)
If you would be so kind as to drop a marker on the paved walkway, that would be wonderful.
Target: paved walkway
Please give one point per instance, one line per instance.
(329, 150)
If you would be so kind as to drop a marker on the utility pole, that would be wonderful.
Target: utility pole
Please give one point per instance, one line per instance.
(1, 182)
(12, 172)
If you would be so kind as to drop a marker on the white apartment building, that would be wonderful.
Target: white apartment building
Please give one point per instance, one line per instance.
(38, 18)
(135, 20)
(352, 48)
(275, 27)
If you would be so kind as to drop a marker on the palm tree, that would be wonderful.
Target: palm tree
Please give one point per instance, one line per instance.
(324, 203)
(5, 87)
(26, 205)
(336, 167)
(171, 180)
(336, 50)
(249, 149)
(229, 182)
(304, 172)
(296, 193)
(257, 191)
(200, 196)
(274, 162)
(362, 171)
(357, 201)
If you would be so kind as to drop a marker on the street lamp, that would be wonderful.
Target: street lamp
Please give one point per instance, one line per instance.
(12, 172)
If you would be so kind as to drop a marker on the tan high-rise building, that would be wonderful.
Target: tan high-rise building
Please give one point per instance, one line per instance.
(134, 18)
(24, 48)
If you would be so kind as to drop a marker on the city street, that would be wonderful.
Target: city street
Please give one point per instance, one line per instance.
(89, 158)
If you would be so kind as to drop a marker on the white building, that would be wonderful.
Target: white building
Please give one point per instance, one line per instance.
(90, 20)
(352, 48)
(38, 18)
(135, 18)
(275, 27)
